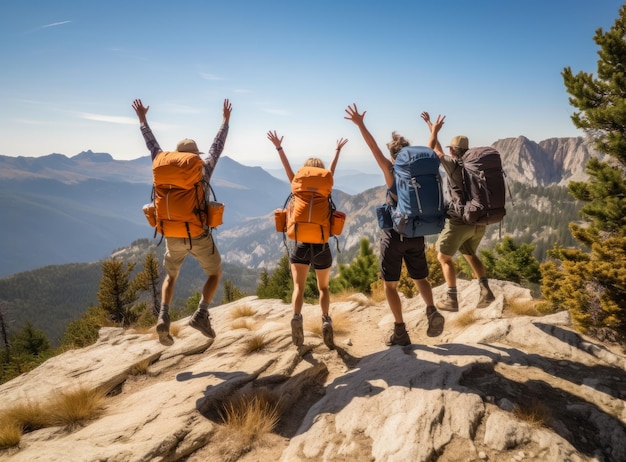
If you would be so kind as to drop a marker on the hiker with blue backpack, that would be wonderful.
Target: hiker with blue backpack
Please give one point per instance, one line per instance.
(186, 230)
(468, 213)
(310, 236)
(399, 241)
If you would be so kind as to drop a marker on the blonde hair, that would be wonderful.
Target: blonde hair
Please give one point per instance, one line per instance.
(314, 162)
(397, 142)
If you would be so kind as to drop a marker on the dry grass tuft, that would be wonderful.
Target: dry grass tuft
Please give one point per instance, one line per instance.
(465, 318)
(535, 413)
(378, 291)
(254, 343)
(68, 408)
(524, 307)
(141, 367)
(251, 415)
(242, 323)
(73, 407)
(341, 322)
(242, 311)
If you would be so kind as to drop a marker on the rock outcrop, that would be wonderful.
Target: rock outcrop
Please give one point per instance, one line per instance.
(460, 396)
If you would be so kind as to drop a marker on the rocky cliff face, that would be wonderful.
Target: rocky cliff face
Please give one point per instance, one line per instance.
(552, 161)
(494, 386)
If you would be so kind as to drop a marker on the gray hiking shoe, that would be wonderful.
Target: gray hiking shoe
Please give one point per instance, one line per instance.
(486, 297)
(435, 322)
(327, 332)
(399, 336)
(297, 333)
(163, 329)
(450, 303)
(201, 321)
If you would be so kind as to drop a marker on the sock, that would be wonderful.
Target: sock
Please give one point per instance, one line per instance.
(165, 308)
(399, 328)
(484, 282)
(452, 292)
(203, 306)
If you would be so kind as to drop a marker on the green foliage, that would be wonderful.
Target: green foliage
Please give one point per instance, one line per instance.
(148, 280)
(511, 262)
(590, 282)
(83, 331)
(25, 350)
(279, 285)
(435, 273)
(231, 292)
(117, 294)
(362, 272)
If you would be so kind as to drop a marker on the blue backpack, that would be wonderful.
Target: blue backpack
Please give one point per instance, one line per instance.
(420, 208)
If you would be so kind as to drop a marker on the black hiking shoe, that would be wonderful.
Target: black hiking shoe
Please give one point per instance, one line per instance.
(486, 297)
(327, 332)
(435, 322)
(399, 336)
(297, 333)
(201, 321)
(163, 329)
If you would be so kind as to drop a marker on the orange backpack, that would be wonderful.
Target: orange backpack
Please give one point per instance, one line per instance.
(179, 206)
(309, 208)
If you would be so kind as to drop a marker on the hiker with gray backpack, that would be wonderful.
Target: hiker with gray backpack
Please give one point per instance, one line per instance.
(477, 195)
(411, 216)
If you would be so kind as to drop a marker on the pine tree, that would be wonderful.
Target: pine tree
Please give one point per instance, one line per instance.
(117, 293)
(362, 272)
(511, 262)
(591, 283)
(148, 280)
(280, 284)
(231, 292)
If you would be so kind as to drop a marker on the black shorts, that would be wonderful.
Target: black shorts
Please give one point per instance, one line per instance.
(393, 250)
(318, 255)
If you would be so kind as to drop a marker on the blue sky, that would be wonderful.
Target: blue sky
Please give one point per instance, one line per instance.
(71, 69)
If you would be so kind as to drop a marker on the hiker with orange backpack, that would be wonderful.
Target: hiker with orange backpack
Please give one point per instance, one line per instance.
(311, 239)
(196, 239)
(395, 248)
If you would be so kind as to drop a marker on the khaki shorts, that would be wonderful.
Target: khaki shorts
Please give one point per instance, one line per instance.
(460, 237)
(203, 248)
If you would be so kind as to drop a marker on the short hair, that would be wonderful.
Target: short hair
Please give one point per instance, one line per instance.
(396, 144)
(314, 162)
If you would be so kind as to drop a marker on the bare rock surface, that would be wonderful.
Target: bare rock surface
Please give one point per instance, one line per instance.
(465, 395)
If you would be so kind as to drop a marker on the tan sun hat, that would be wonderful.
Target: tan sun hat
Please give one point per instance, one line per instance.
(459, 141)
(188, 145)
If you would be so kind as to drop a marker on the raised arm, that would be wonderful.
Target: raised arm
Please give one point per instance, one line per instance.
(340, 144)
(433, 141)
(216, 149)
(148, 136)
(383, 162)
(277, 142)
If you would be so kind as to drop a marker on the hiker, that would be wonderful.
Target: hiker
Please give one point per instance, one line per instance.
(457, 235)
(202, 246)
(302, 255)
(394, 249)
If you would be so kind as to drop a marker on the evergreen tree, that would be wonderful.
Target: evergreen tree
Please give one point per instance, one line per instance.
(231, 292)
(117, 293)
(280, 284)
(592, 281)
(83, 331)
(511, 262)
(362, 272)
(30, 341)
(148, 280)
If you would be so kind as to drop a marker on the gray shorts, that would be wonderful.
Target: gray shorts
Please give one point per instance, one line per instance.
(203, 248)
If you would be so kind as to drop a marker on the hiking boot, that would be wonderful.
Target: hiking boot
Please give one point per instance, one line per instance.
(297, 333)
(201, 321)
(435, 322)
(399, 336)
(327, 332)
(163, 329)
(486, 297)
(450, 303)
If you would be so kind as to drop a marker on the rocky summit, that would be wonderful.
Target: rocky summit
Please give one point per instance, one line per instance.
(495, 386)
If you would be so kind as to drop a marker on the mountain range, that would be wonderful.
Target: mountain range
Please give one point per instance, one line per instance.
(61, 209)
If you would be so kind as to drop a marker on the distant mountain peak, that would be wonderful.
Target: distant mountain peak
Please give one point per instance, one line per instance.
(93, 156)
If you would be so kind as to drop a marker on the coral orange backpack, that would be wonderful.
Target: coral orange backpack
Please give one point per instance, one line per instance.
(179, 205)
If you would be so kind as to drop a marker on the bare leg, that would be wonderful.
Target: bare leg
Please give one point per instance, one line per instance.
(299, 273)
(447, 266)
(210, 287)
(393, 299)
(167, 289)
(425, 290)
(323, 280)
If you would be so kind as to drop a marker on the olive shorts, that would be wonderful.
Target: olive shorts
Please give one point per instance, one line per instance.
(202, 247)
(460, 237)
